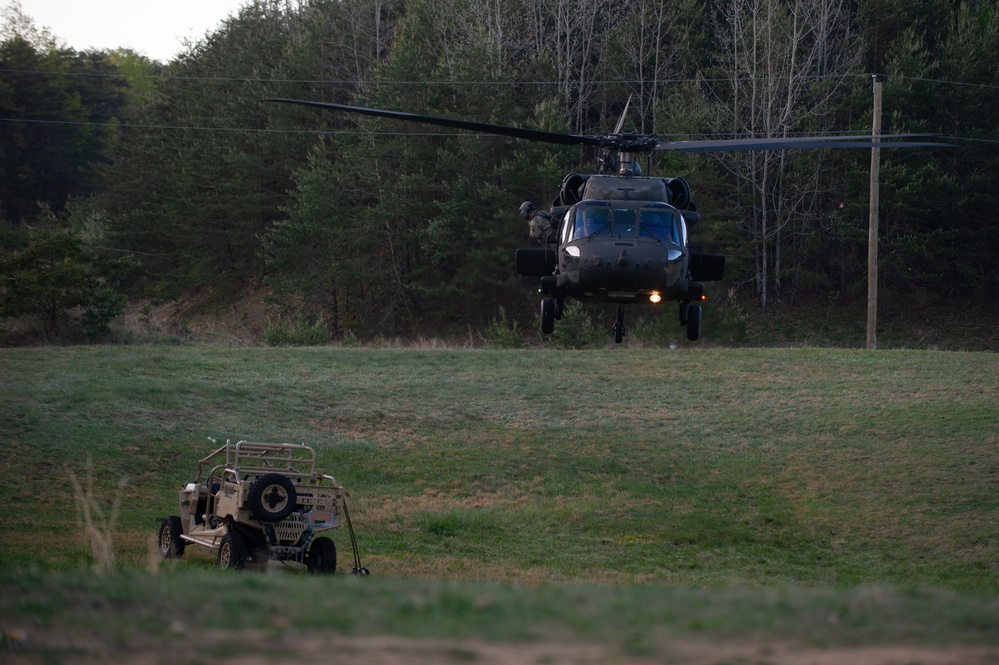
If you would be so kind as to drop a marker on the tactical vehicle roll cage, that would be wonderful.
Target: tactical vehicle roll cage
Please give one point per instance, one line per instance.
(255, 502)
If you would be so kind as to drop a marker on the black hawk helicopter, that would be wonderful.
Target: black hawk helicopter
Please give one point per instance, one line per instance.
(623, 236)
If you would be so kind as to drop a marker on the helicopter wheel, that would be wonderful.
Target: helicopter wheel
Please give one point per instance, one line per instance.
(548, 316)
(693, 322)
(619, 326)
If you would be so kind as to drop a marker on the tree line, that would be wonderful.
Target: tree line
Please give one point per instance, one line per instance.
(176, 177)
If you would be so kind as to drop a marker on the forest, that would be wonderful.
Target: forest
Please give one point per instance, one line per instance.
(129, 180)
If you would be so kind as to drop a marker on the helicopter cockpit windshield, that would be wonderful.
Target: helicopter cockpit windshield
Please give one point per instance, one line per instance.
(591, 218)
(660, 222)
(655, 221)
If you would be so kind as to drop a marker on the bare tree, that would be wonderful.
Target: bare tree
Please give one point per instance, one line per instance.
(570, 32)
(783, 60)
(355, 35)
(642, 50)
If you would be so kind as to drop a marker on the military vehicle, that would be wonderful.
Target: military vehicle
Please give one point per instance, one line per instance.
(261, 502)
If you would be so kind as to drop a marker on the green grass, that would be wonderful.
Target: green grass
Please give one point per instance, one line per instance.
(707, 476)
(451, 610)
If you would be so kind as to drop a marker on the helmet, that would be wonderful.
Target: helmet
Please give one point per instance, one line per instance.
(526, 208)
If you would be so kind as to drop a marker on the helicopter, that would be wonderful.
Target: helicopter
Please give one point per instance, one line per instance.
(622, 236)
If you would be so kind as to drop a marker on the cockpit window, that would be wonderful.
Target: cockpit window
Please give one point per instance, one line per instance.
(657, 221)
(659, 224)
(591, 221)
(624, 223)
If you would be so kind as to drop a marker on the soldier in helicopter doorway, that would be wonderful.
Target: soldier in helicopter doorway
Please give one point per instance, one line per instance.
(543, 228)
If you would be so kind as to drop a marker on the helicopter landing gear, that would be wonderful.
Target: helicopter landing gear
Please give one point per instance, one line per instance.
(551, 304)
(693, 322)
(619, 330)
(690, 316)
(548, 316)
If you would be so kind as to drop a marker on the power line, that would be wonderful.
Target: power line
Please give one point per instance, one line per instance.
(367, 83)
(244, 79)
(984, 86)
(248, 130)
(121, 125)
(238, 79)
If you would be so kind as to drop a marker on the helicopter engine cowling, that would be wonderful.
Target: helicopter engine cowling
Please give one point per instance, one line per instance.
(679, 193)
(571, 190)
(625, 188)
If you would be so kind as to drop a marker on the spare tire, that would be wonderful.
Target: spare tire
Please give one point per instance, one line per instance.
(272, 497)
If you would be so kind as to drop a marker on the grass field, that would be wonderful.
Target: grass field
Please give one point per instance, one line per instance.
(826, 497)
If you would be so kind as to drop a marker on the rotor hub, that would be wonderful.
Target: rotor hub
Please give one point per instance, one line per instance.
(629, 142)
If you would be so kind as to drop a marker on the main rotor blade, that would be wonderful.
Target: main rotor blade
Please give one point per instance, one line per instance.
(484, 127)
(620, 121)
(639, 143)
(800, 143)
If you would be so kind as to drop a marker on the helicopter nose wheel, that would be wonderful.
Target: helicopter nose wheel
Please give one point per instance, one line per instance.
(619, 330)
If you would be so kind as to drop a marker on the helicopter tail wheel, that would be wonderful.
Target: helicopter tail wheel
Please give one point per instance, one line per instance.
(619, 326)
(693, 322)
(548, 316)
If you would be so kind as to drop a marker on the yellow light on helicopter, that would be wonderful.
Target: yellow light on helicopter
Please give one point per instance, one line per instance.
(655, 297)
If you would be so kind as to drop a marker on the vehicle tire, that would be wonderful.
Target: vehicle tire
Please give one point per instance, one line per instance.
(232, 551)
(170, 544)
(272, 497)
(694, 323)
(322, 557)
(547, 316)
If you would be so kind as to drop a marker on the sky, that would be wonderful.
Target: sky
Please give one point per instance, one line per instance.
(156, 28)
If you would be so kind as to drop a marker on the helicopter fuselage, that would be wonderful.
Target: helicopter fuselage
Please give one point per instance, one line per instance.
(622, 239)
(621, 251)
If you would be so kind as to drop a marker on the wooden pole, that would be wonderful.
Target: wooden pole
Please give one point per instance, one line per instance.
(872, 233)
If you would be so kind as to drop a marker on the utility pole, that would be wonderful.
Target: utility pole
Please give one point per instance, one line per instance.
(872, 233)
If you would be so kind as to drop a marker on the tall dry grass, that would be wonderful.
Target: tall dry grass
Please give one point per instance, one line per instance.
(97, 527)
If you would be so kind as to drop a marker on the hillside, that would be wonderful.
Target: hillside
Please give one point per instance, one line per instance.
(729, 503)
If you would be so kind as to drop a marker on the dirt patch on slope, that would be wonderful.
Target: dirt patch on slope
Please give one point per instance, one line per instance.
(240, 323)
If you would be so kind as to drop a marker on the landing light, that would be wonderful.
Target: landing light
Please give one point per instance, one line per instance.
(655, 297)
